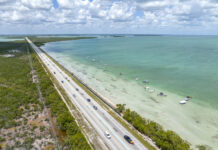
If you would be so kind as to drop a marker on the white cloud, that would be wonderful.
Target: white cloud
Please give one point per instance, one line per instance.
(120, 11)
(69, 4)
(153, 5)
(37, 4)
(111, 14)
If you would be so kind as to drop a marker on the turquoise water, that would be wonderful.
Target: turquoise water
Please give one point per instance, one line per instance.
(177, 65)
(185, 65)
(5, 39)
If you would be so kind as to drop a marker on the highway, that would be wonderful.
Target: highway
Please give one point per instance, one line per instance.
(99, 118)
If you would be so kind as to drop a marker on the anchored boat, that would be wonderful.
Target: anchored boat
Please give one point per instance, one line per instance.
(183, 102)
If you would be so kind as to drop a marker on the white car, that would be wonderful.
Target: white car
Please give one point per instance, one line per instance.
(107, 135)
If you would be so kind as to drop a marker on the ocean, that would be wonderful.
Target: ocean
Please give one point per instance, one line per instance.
(178, 66)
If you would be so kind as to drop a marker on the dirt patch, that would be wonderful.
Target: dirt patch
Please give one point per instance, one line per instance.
(38, 121)
(60, 134)
(33, 128)
(49, 147)
(3, 85)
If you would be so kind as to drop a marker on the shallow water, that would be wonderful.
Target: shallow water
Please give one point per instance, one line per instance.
(177, 65)
(5, 39)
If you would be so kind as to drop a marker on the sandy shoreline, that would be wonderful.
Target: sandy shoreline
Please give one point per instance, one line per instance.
(195, 123)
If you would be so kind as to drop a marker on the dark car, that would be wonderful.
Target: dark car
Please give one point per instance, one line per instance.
(54, 73)
(77, 89)
(62, 81)
(88, 99)
(128, 139)
(95, 107)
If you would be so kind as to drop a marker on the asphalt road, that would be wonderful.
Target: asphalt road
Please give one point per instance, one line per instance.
(100, 119)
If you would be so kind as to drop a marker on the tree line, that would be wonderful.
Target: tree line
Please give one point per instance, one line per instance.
(164, 139)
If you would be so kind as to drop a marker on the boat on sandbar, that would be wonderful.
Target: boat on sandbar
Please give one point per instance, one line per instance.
(183, 102)
(147, 87)
(161, 94)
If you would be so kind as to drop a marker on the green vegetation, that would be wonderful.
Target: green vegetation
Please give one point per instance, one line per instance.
(15, 37)
(39, 41)
(20, 108)
(120, 108)
(16, 86)
(74, 139)
(118, 36)
(28, 141)
(166, 140)
(18, 99)
(2, 139)
(203, 147)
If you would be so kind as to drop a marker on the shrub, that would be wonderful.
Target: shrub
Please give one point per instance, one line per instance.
(166, 140)
(75, 139)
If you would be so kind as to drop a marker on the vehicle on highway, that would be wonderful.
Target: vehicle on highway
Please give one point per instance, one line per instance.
(95, 107)
(62, 81)
(106, 133)
(128, 139)
(77, 89)
(88, 99)
(54, 72)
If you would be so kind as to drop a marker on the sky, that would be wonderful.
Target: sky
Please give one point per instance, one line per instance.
(192, 17)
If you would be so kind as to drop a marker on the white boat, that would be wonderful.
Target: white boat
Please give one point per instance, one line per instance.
(147, 88)
(183, 102)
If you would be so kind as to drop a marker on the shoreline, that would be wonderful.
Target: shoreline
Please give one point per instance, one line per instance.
(112, 106)
(162, 119)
